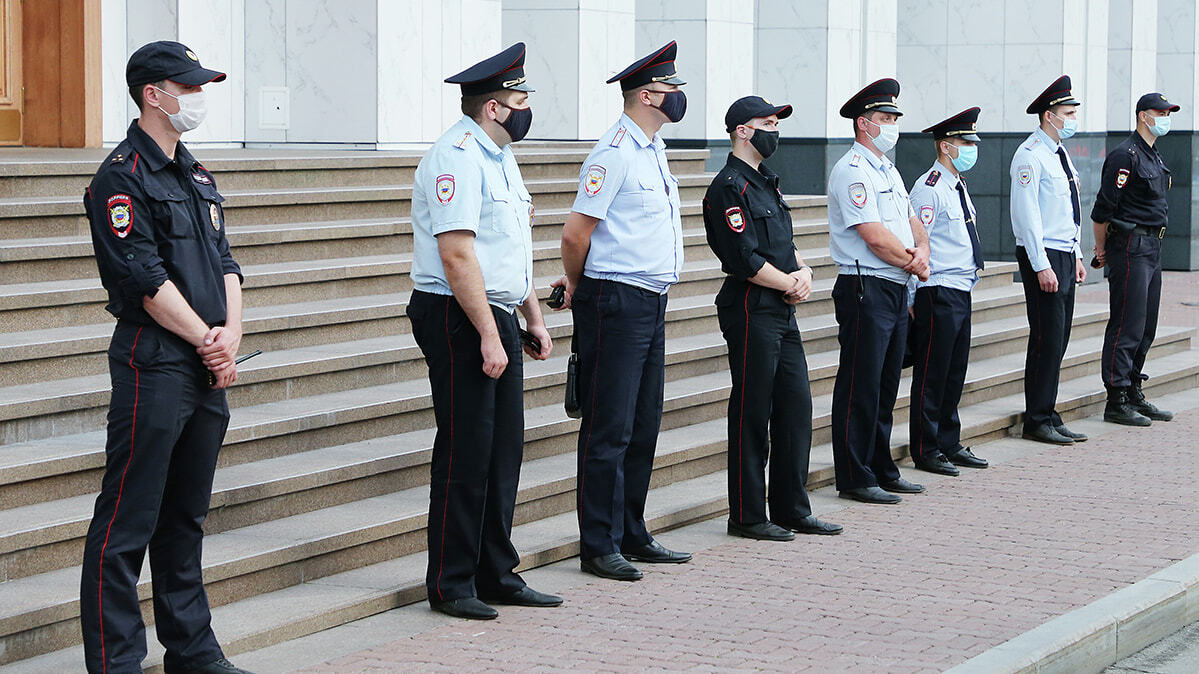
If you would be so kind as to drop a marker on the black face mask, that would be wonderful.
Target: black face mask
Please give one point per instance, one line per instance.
(674, 105)
(518, 123)
(765, 142)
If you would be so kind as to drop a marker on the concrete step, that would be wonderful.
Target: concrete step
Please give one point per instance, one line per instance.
(245, 169)
(311, 605)
(41, 536)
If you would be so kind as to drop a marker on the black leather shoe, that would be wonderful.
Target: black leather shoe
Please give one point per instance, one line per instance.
(613, 566)
(655, 553)
(811, 525)
(1137, 397)
(869, 495)
(966, 458)
(526, 596)
(762, 531)
(1119, 410)
(1076, 437)
(218, 666)
(901, 486)
(1047, 434)
(470, 608)
(936, 463)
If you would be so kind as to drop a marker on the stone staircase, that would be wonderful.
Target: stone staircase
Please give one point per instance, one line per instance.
(320, 498)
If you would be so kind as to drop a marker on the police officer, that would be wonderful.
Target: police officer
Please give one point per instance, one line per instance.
(1129, 219)
(472, 269)
(941, 312)
(1045, 219)
(749, 227)
(622, 247)
(159, 235)
(878, 243)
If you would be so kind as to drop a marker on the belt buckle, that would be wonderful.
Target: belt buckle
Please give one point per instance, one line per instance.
(1161, 233)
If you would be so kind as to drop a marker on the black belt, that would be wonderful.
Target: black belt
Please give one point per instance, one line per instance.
(1140, 230)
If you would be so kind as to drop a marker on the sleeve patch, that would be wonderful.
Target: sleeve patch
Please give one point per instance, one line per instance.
(1121, 178)
(735, 218)
(445, 188)
(857, 194)
(1024, 174)
(593, 182)
(926, 215)
(120, 215)
(933, 177)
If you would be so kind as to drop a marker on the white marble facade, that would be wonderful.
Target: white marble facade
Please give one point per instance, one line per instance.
(368, 73)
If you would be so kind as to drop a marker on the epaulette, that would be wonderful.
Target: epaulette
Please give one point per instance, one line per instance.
(461, 144)
(619, 137)
(933, 177)
(857, 159)
(117, 159)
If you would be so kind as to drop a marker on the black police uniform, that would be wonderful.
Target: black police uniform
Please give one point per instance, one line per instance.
(1132, 192)
(748, 224)
(155, 219)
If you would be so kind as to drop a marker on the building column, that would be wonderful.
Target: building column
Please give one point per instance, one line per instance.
(1177, 58)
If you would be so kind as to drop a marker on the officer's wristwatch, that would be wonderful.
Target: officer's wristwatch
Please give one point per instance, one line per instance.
(810, 272)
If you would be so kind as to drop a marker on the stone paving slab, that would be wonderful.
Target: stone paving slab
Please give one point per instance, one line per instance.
(922, 586)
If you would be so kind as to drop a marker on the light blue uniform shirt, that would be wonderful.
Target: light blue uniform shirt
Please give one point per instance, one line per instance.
(466, 182)
(626, 184)
(865, 188)
(1042, 215)
(939, 207)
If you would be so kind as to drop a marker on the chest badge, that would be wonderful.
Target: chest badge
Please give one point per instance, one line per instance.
(926, 215)
(593, 182)
(1121, 178)
(857, 194)
(735, 219)
(201, 178)
(445, 188)
(214, 214)
(1024, 175)
(120, 215)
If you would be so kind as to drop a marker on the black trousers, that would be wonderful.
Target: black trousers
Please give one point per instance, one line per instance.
(476, 453)
(1135, 288)
(941, 347)
(620, 333)
(770, 409)
(165, 428)
(872, 319)
(1050, 316)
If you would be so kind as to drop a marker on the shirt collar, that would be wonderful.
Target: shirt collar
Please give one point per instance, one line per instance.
(880, 163)
(152, 154)
(947, 173)
(481, 137)
(636, 132)
(761, 176)
(1049, 142)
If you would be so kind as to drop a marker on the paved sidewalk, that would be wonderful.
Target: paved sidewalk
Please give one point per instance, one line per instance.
(920, 586)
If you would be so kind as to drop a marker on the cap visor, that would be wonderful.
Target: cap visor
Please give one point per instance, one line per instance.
(197, 77)
(972, 137)
(782, 111)
(673, 80)
(885, 108)
(523, 86)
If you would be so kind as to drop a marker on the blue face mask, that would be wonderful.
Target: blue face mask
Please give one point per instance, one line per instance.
(967, 155)
(1160, 126)
(1069, 127)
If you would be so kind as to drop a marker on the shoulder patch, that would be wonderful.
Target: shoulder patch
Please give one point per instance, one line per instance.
(1121, 178)
(461, 144)
(926, 215)
(857, 194)
(855, 160)
(619, 137)
(593, 182)
(933, 177)
(120, 215)
(1024, 174)
(735, 219)
(445, 187)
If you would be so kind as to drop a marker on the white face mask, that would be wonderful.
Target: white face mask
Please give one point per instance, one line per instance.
(193, 108)
(888, 135)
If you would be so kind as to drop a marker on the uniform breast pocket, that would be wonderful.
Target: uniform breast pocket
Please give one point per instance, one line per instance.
(1154, 177)
(503, 209)
(1059, 185)
(653, 195)
(766, 214)
(888, 206)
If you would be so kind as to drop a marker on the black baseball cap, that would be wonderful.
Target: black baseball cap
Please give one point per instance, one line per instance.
(165, 60)
(744, 109)
(1155, 101)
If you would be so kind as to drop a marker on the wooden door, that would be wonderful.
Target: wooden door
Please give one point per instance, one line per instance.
(12, 99)
(61, 72)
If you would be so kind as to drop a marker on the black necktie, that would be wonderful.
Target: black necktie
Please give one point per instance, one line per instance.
(1074, 202)
(969, 218)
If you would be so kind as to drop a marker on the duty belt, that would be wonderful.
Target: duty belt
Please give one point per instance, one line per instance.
(1140, 230)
